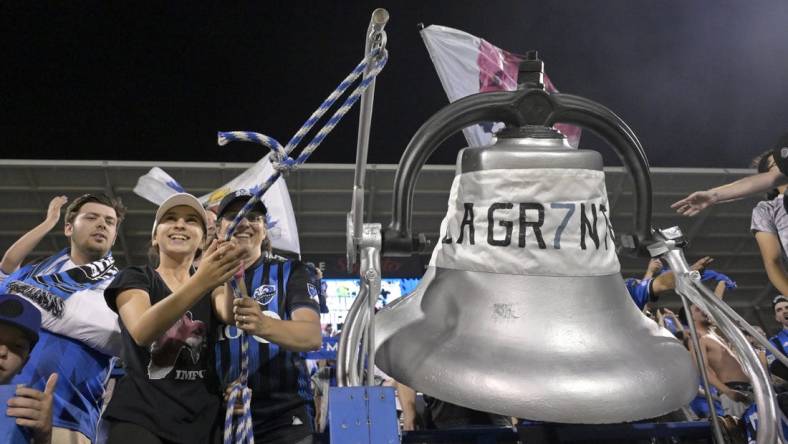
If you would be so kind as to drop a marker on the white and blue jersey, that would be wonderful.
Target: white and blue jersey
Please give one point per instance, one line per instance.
(77, 341)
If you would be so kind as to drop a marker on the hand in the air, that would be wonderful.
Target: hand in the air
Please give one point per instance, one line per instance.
(694, 203)
(654, 267)
(53, 211)
(702, 263)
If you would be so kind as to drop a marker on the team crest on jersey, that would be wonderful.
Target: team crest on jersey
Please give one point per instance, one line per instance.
(264, 294)
(312, 290)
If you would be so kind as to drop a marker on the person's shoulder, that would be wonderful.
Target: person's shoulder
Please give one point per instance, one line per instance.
(767, 205)
(146, 270)
(134, 273)
(132, 277)
(711, 338)
(764, 212)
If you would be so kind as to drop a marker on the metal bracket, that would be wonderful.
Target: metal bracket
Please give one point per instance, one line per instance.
(669, 245)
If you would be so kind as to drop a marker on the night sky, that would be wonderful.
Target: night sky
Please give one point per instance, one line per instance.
(702, 83)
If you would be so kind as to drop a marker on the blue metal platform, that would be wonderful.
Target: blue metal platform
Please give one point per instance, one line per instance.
(367, 415)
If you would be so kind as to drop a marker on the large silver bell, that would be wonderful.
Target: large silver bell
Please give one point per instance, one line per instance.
(532, 319)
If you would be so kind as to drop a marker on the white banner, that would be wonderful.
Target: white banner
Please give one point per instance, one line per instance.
(467, 65)
(157, 185)
(547, 222)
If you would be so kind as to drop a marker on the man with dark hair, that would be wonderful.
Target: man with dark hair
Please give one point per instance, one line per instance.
(282, 318)
(80, 334)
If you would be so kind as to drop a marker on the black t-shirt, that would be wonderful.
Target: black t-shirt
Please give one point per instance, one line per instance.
(278, 378)
(169, 387)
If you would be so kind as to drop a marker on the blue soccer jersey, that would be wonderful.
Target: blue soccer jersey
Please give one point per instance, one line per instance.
(639, 290)
(83, 374)
(278, 378)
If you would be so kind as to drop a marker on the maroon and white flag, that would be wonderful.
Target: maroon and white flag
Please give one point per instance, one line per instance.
(467, 65)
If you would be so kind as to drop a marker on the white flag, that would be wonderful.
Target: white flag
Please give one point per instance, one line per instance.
(157, 185)
(467, 65)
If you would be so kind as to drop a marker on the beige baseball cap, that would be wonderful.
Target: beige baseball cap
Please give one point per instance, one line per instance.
(177, 200)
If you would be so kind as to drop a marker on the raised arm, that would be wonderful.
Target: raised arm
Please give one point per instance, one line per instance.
(747, 186)
(667, 281)
(17, 252)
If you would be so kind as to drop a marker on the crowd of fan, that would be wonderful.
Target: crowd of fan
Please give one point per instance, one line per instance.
(175, 323)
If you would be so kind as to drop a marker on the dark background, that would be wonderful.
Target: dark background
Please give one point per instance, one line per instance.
(702, 83)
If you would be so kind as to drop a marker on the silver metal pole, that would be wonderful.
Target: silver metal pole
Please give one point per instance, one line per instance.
(359, 323)
(376, 39)
(689, 287)
(370, 260)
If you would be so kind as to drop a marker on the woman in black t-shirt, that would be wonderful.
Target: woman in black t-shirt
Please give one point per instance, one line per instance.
(165, 316)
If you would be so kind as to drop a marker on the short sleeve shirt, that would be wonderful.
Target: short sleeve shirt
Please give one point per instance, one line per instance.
(169, 387)
(770, 216)
(278, 377)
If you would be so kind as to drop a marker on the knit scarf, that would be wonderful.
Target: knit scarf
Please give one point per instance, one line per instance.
(50, 291)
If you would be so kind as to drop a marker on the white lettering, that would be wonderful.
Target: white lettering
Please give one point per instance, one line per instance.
(232, 332)
(189, 375)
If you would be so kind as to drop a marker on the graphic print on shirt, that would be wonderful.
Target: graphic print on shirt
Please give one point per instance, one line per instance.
(264, 294)
(178, 350)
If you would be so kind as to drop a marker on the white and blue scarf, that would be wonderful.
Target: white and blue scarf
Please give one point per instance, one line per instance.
(50, 291)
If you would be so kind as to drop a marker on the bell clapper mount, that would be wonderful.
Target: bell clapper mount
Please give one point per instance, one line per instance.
(364, 240)
(669, 244)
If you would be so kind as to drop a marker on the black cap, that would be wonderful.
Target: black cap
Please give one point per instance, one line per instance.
(239, 196)
(18, 312)
(777, 299)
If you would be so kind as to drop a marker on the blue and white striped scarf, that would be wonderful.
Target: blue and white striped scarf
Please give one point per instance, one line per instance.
(50, 290)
